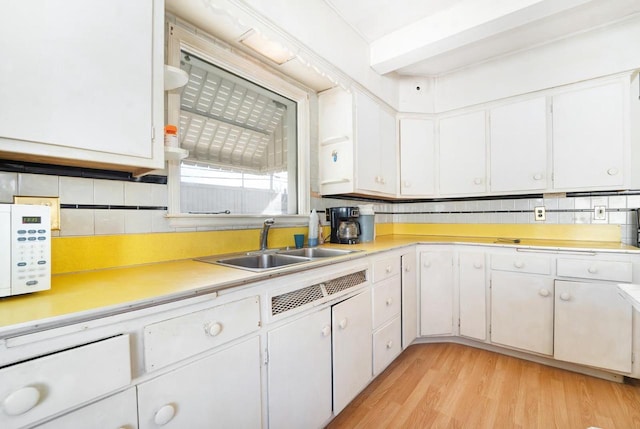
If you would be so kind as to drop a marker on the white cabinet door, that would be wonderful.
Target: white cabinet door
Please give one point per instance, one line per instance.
(80, 90)
(417, 157)
(519, 146)
(463, 154)
(352, 348)
(300, 372)
(522, 311)
(589, 138)
(592, 325)
(222, 390)
(116, 411)
(436, 293)
(409, 298)
(376, 147)
(472, 284)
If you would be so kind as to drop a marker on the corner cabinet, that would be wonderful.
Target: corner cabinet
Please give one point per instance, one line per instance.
(417, 157)
(78, 92)
(358, 150)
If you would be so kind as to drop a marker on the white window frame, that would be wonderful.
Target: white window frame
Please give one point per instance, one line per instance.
(251, 69)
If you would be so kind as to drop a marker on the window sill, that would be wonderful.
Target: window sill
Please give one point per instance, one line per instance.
(226, 221)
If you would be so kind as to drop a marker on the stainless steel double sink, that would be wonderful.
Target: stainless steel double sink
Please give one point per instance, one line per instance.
(271, 259)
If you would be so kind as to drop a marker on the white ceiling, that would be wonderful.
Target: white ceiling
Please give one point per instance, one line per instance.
(432, 37)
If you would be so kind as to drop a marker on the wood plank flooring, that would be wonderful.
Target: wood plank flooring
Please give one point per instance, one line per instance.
(455, 386)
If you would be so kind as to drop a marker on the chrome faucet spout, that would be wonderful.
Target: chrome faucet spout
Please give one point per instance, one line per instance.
(264, 234)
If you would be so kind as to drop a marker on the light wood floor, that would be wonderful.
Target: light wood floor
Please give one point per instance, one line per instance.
(455, 386)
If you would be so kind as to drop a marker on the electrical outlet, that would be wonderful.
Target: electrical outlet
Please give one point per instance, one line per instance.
(539, 213)
(600, 213)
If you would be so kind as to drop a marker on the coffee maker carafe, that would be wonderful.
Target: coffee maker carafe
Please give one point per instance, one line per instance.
(345, 228)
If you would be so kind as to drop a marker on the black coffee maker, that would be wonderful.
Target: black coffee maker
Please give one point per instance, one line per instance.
(345, 228)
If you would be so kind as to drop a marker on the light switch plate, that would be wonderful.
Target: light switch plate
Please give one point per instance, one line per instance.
(52, 202)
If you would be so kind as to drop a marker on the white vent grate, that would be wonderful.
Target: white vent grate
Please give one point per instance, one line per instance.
(345, 282)
(297, 298)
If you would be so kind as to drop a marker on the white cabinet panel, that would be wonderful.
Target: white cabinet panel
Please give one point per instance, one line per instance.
(589, 138)
(386, 345)
(472, 286)
(80, 90)
(417, 157)
(386, 301)
(300, 372)
(116, 411)
(409, 298)
(522, 311)
(436, 293)
(222, 390)
(352, 366)
(462, 154)
(592, 325)
(519, 146)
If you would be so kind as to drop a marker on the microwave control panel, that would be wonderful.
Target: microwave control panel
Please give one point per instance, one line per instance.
(26, 229)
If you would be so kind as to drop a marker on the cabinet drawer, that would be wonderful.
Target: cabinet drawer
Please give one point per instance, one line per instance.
(386, 345)
(618, 271)
(521, 263)
(35, 389)
(385, 268)
(386, 301)
(171, 340)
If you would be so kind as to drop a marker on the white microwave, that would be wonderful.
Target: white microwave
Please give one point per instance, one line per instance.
(25, 259)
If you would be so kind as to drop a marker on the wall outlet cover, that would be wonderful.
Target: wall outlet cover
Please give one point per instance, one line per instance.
(539, 213)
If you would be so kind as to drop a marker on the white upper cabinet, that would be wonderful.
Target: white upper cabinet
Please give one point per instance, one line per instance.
(358, 150)
(83, 83)
(463, 154)
(417, 157)
(589, 138)
(518, 155)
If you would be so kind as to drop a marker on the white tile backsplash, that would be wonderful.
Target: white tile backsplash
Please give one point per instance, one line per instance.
(137, 221)
(108, 222)
(76, 222)
(108, 192)
(76, 190)
(8, 186)
(137, 194)
(37, 185)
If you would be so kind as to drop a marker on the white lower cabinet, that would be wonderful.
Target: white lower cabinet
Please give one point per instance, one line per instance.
(593, 325)
(299, 371)
(222, 390)
(472, 295)
(352, 367)
(522, 311)
(386, 345)
(118, 411)
(436, 292)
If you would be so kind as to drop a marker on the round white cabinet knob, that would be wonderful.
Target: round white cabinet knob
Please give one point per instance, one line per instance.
(407, 269)
(390, 344)
(477, 265)
(477, 181)
(213, 329)
(518, 264)
(407, 184)
(21, 401)
(537, 176)
(592, 270)
(543, 292)
(426, 264)
(388, 269)
(565, 296)
(164, 415)
(612, 171)
(326, 331)
(343, 323)
(389, 301)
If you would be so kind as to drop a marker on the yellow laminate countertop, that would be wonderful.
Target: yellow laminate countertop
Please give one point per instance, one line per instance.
(88, 294)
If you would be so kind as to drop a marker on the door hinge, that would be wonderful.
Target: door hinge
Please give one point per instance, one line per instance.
(489, 329)
(153, 133)
(265, 361)
(458, 323)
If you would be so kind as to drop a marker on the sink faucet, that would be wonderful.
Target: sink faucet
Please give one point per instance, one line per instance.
(265, 232)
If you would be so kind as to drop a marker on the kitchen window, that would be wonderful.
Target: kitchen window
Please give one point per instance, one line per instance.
(245, 129)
